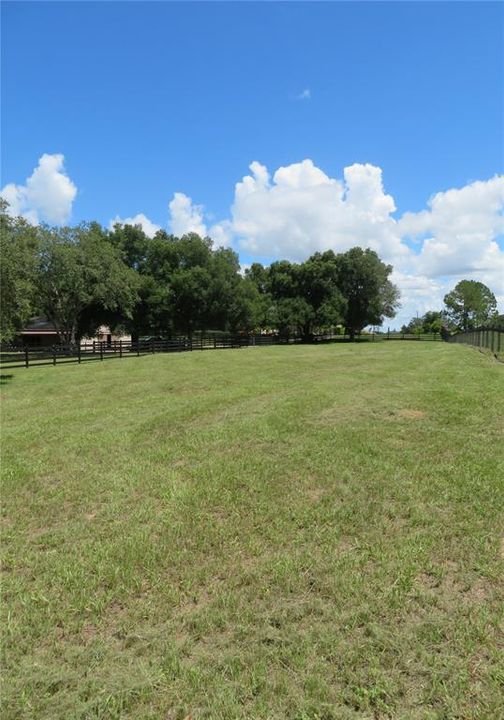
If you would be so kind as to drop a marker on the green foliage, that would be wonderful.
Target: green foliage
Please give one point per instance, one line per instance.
(245, 310)
(85, 276)
(431, 322)
(470, 304)
(81, 279)
(18, 247)
(291, 315)
(364, 282)
(497, 322)
(300, 298)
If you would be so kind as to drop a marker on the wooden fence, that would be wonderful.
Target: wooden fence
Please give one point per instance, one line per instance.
(15, 356)
(482, 337)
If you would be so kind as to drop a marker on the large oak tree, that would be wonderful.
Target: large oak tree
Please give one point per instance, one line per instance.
(370, 296)
(470, 304)
(80, 274)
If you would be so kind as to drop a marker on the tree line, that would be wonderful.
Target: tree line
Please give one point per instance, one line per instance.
(470, 305)
(85, 276)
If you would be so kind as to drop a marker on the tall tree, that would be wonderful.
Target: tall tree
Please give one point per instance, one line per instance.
(225, 281)
(318, 286)
(306, 296)
(264, 313)
(291, 316)
(363, 280)
(470, 304)
(177, 293)
(80, 275)
(18, 252)
(245, 311)
(189, 288)
(133, 244)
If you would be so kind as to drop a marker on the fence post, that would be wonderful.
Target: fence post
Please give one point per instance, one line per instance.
(120, 348)
(94, 347)
(101, 350)
(79, 353)
(138, 348)
(152, 346)
(53, 355)
(27, 361)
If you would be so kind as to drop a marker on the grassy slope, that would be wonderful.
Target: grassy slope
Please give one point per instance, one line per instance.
(292, 532)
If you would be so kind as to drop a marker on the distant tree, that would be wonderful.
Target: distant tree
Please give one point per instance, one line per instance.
(81, 277)
(291, 316)
(223, 291)
(265, 314)
(363, 280)
(188, 286)
(259, 275)
(189, 295)
(304, 297)
(18, 251)
(246, 311)
(414, 327)
(497, 322)
(431, 322)
(470, 304)
(133, 244)
(318, 286)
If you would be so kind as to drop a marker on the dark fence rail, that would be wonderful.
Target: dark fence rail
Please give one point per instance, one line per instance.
(29, 356)
(483, 337)
(13, 356)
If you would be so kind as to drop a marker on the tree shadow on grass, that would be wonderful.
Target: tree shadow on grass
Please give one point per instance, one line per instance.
(4, 379)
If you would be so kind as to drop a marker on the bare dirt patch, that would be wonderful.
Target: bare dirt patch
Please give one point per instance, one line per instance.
(409, 413)
(448, 587)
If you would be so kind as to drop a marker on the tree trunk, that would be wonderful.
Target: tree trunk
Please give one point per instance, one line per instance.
(306, 333)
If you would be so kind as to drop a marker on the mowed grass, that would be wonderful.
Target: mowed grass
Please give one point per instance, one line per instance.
(302, 533)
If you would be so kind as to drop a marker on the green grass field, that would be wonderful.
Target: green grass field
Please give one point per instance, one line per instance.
(301, 533)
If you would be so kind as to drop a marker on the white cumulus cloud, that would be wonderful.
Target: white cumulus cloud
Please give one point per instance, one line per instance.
(185, 217)
(462, 227)
(149, 228)
(47, 195)
(302, 210)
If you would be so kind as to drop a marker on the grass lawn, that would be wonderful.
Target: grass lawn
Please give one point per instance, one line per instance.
(300, 533)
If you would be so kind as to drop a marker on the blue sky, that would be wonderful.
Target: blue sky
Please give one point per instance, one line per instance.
(148, 99)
